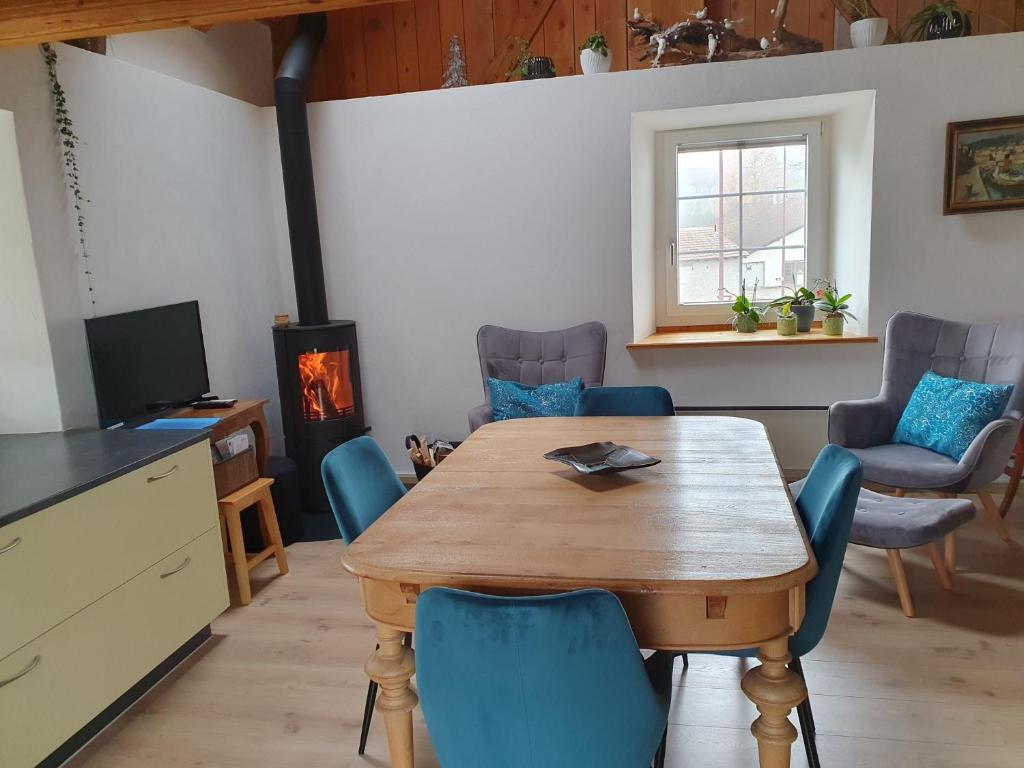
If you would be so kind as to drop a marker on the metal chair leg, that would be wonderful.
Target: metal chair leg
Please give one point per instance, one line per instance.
(659, 756)
(686, 661)
(371, 699)
(806, 718)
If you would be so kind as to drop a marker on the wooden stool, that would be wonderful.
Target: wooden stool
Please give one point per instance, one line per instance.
(231, 506)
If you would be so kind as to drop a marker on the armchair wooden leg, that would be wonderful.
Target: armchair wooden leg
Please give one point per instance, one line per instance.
(950, 546)
(940, 567)
(899, 493)
(900, 577)
(992, 513)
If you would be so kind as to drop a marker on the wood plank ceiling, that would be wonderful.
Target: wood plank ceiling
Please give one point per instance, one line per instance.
(40, 21)
(401, 47)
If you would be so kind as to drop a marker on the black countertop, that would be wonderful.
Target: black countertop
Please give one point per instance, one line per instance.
(37, 471)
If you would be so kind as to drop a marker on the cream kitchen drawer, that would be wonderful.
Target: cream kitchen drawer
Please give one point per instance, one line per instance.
(82, 665)
(62, 558)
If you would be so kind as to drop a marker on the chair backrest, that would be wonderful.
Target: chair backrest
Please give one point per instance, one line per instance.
(543, 357)
(826, 502)
(516, 682)
(992, 353)
(360, 484)
(625, 401)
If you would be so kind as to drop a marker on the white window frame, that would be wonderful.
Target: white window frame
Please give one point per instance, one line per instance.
(668, 311)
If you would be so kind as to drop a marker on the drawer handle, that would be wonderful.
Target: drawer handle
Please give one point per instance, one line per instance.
(162, 475)
(181, 567)
(12, 545)
(31, 665)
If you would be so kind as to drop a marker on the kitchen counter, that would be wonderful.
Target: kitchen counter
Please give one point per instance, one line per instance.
(40, 470)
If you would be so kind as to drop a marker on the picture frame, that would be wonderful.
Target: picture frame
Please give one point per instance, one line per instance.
(984, 165)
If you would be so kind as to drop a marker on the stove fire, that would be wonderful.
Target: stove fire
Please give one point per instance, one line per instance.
(326, 385)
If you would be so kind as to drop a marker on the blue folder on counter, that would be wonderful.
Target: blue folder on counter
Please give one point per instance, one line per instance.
(179, 424)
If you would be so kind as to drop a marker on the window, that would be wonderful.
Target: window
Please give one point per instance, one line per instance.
(742, 205)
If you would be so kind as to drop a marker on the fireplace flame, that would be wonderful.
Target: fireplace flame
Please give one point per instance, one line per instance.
(326, 385)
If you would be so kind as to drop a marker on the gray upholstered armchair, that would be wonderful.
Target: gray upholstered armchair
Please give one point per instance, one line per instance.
(914, 343)
(538, 357)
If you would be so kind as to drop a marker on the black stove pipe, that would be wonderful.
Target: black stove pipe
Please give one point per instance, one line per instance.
(297, 168)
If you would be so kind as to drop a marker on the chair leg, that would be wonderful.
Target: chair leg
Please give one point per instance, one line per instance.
(686, 661)
(935, 555)
(271, 531)
(371, 699)
(950, 547)
(992, 512)
(238, 557)
(899, 493)
(900, 577)
(806, 718)
(659, 756)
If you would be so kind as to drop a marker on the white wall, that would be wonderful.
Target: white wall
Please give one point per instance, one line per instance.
(28, 385)
(233, 59)
(179, 209)
(510, 204)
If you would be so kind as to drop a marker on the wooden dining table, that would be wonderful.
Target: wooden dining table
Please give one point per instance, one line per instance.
(704, 550)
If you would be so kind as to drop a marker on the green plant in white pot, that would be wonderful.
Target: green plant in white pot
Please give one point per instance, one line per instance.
(747, 316)
(594, 55)
(785, 320)
(834, 307)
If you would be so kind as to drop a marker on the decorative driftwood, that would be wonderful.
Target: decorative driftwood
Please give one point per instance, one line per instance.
(702, 39)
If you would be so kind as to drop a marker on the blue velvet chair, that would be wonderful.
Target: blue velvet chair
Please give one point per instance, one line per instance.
(826, 502)
(625, 401)
(361, 486)
(537, 682)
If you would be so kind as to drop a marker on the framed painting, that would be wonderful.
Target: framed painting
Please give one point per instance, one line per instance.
(984, 165)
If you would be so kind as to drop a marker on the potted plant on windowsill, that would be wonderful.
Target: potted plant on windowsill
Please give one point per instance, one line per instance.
(785, 320)
(834, 307)
(746, 316)
(594, 55)
(801, 303)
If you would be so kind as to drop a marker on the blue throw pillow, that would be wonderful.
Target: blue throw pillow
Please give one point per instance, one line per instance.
(512, 400)
(945, 415)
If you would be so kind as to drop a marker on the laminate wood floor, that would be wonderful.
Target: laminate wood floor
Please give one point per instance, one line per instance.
(281, 683)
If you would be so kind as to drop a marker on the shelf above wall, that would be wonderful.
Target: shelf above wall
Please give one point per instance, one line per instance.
(719, 336)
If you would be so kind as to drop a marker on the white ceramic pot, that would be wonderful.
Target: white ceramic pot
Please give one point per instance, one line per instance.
(868, 32)
(593, 62)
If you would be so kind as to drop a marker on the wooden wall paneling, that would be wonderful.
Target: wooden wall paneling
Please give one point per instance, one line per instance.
(559, 38)
(610, 20)
(995, 16)
(907, 8)
(890, 9)
(353, 51)
(381, 54)
(505, 13)
(407, 47)
(528, 24)
(821, 22)
(584, 20)
(432, 50)
(478, 20)
(744, 12)
(452, 23)
(330, 64)
(1020, 17)
(798, 16)
(764, 18)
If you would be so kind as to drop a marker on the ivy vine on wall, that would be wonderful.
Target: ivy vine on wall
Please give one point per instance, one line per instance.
(69, 148)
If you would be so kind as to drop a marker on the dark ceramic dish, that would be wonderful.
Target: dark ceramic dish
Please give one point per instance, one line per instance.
(593, 458)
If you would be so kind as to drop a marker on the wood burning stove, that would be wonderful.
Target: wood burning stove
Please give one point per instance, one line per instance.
(321, 397)
(317, 358)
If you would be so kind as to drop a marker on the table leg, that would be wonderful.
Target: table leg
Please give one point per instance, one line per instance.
(775, 690)
(391, 666)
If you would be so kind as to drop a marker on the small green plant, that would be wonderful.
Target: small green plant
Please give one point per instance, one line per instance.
(746, 315)
(860, 9)
(596, 42)
(785, 311)
(520, 66)
(916, 27)
(800, 297)
(832, 304)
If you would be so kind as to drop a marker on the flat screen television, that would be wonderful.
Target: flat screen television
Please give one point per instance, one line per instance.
(147, 360)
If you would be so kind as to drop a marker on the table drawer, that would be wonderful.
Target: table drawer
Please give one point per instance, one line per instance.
(85, 663)
(62, 558)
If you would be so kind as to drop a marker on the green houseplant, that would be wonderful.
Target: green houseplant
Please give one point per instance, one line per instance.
(936, 21)
(785, 320)
(835, 308)
(594, 55)
(801, 301)
(747, 316)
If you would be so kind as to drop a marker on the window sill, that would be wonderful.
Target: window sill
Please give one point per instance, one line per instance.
(720, 337)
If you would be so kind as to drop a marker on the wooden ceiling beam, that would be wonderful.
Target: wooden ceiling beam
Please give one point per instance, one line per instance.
(24, 22)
